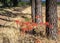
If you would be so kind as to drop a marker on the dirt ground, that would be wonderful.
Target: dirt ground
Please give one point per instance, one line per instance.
(9, 29)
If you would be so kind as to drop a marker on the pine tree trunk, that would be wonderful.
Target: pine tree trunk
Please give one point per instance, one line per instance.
(15, 2)
(38, 11)
(51, 17)
(5, 3)
(33, 10)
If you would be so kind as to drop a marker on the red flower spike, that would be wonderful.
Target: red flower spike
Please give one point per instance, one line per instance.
(41, 16)
(46, 23)
(41, 23)
(24, 29)
(20, 23)
(50, 26)
(34, 24)
(26, 23)
(30, 27)
(37, 17)
(17, 21)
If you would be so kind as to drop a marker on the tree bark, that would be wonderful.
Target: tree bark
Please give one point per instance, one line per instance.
(33, 9)
(38, 11)
(15, 2)
(51, 17)
(4, 3)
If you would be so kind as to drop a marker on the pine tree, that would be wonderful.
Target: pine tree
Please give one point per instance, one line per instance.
(51, 17)
(38, 11)
(33, 10)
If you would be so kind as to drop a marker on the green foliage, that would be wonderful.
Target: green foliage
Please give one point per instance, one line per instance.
(27, 19)
(23, 3)
(8, 0)
(43, 3)
(58, 3)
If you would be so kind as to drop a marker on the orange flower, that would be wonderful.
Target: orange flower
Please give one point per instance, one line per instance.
(50, 26)
(24, 29)
(38, 16)
(26, 23)
(20, 23)
(17, 21)
(41, 23)
(46, 23)
(34, 24)
(30, 27)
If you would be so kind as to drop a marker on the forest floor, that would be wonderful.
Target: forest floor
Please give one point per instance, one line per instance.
(9, 27)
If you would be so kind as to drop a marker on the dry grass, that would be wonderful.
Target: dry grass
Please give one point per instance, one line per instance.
(23, 37)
